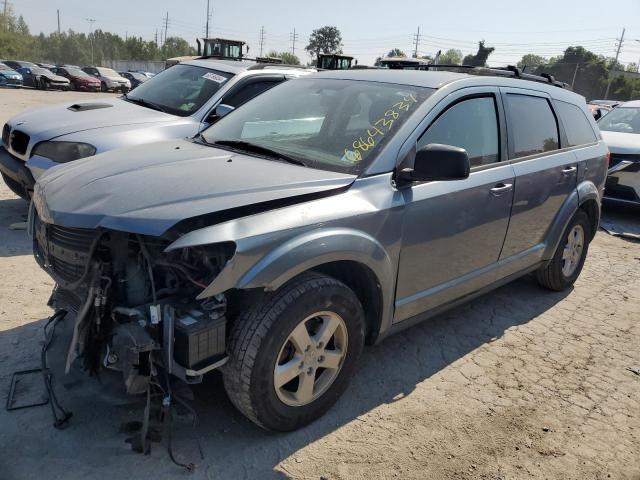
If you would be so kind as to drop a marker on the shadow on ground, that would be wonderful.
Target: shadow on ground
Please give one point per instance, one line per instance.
(13, 242)
(234, 447)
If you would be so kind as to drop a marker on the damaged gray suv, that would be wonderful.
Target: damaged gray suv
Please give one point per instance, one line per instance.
(327, 213)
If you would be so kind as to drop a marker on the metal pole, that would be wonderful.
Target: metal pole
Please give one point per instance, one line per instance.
(575, 72)
(91, 22)
(415, 53)
(166, 26)
(58, 22)
(207, 28)
(606, 93)
(261, 39)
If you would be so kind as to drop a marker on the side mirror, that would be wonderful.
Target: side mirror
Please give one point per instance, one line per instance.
(220, 111)
(437, 162)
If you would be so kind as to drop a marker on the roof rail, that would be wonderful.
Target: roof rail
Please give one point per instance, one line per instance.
(262, 66)
(508, 71)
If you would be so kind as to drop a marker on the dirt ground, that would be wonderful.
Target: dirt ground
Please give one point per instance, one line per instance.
(518, 384)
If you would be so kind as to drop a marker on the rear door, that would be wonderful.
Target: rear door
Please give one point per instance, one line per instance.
(453, 231)
(546, 169)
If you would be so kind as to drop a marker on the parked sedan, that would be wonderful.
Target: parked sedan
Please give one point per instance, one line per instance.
(38, 77)
(9, 77)
(135, 78)
(18, 64)
(110, 80)
(621, 131)
(79, 80)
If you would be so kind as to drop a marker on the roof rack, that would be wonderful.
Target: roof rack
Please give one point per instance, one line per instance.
(262, 66)
(508, 71)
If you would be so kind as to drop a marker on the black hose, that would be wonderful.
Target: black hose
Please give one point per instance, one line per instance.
(61, 416)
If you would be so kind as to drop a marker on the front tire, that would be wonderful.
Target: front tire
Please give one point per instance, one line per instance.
(292, 355)
(103, 87)
(567, 262)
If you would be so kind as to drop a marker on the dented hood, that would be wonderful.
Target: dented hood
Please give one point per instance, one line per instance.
(148, 188)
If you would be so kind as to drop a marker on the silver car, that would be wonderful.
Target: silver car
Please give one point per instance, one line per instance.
(176, 103)
(327, 213)
(621, 130)
(110, 80)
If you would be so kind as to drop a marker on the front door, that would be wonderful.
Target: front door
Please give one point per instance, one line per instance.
(453, 231)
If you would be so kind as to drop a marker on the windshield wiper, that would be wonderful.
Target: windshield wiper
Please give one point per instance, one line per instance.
(259, 149)
(144, 103)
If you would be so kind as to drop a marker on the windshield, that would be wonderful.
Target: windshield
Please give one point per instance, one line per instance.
(4, 67)
(621, 119)
(39, 71)
(337, 125)
(107, 72)
(181, 89)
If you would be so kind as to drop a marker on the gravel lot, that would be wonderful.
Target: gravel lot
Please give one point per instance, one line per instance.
(518, 384)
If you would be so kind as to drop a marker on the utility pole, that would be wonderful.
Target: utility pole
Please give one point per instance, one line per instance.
(261, 39)
(166, 26)
(417, 40)
(156, 38)
(5, 9)
(91, 22)
(615, 63)
(575, 73)
(294, 39)
(208, 15)
(58, 21)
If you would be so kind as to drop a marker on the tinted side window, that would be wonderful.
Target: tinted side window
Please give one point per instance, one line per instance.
(471, 124)
(534, 128)
(247, 92)
(576, 125)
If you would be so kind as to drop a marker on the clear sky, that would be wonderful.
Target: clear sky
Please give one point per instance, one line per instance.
(369, 28)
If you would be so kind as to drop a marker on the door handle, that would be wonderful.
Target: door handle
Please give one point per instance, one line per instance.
(569, 170)
(501, 188)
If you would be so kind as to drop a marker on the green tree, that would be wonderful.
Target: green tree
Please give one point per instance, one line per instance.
(632, 67)
(480, 58)
(327, 39)
(451, 57)
(287, 57)
(531, 61)
(590, 70)
(177, 47)
(396, 52)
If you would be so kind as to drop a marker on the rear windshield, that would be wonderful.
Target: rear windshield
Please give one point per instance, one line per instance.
(621, 119)
(337, 125)
(182, 89)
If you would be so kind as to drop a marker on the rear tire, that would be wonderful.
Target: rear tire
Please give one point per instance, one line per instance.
(567, 262)
(263, 349)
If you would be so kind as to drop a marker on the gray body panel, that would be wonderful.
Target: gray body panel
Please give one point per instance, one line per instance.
(429, 245)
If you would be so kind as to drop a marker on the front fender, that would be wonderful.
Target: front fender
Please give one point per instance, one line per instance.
(300, 253)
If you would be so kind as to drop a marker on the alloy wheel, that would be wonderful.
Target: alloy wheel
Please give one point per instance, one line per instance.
(310, 359)
(572, 250)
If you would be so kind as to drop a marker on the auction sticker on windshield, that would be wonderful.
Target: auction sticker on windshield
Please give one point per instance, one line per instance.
(214, 77)
(378, 129)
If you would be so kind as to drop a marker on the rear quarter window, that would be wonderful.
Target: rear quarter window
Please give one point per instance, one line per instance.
(576, 125)
(534, 128)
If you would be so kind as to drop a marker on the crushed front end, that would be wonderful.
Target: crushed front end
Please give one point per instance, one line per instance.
(130, 306)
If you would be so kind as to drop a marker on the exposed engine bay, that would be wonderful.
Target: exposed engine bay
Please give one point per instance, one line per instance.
(131, 307)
